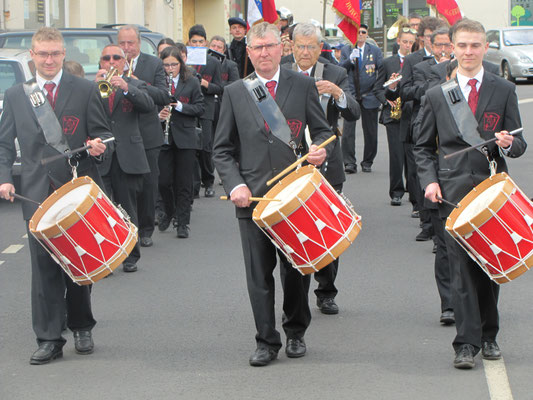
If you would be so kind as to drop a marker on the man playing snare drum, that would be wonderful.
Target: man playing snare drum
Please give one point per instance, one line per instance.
(492, 103)
(76, 105)
(247, 154)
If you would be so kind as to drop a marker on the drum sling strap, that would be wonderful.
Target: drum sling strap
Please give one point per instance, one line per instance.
(269, 110)
(462, 114)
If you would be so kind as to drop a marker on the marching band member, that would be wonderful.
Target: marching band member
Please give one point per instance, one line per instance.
(76, 105)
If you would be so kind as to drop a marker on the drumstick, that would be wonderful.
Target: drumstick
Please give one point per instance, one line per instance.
(18, 196)
(512, 133)
(447, 202)
(70, 153)
(299, 161)
(253, 198)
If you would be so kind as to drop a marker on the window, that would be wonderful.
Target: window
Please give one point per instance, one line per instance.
(86, 50)
(518, 37)
(147, 47)
(10, 74)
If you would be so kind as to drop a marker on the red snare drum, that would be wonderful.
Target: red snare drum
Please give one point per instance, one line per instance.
(83, 231)
(494, 224)
(312, 225)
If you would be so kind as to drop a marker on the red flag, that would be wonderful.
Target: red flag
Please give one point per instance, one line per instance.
(448, 8)
(348, 17)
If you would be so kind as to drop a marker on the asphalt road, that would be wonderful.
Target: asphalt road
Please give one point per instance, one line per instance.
(181, 327)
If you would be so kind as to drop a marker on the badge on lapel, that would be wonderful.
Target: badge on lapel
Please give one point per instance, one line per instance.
(127, 106)
(224, 76)
(184, 100)
(295, 126)
(490, 121)
(70, 123)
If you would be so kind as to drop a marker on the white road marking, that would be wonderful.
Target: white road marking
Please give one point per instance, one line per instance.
(25, 236)
(497, 381)
(13, 249)
(524, 101)
(1, 262)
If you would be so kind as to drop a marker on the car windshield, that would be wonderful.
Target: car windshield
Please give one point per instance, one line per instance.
(10, 74)
(518, 37)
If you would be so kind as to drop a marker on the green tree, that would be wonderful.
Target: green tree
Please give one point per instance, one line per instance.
(517, 12)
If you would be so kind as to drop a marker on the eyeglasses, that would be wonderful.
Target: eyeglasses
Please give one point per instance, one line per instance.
(172, 65)
(268, 47)
(442, 45)
(107, 57)
(362, 32)
(309, 47)
(45, 54)
(410, 30)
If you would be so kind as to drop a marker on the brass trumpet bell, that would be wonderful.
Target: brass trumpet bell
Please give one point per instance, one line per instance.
(393, 31)
(104, 86)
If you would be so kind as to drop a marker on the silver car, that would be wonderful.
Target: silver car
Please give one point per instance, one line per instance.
(512, 49)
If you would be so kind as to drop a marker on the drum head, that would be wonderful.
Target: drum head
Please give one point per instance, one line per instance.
(479, 204)
(285, 195)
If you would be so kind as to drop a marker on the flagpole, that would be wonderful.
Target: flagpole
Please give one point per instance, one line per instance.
(324, 19)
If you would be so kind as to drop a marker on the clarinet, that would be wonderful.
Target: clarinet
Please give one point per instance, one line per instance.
(167, 121)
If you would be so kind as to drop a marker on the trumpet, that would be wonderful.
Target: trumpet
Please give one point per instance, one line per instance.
(130, 68)
(104, 86)
(167, 121)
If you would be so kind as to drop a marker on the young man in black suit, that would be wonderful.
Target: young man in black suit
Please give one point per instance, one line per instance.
(76, 104)
(123, 171)
(336, 101)
(237, 48)
(493, 102)
(247, 155)
(150, 70)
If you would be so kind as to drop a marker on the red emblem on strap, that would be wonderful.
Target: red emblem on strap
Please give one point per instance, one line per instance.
(70, 123)
(295, 126)
(490, 121)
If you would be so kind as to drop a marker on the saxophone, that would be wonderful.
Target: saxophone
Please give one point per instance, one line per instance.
(167, 121)
(396, 111)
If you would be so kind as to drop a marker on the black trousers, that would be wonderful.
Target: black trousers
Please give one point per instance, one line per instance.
(49, 304)
(413, 184)
(442, 262)
(148, 195)
(369, 121)
(124, 189)
(475, 299)
(176, 181)
(260, 261)
(205, 156)
(396, 160)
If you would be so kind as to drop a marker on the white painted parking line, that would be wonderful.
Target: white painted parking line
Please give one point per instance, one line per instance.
(524, 101)
(13, 249)
(497, 380)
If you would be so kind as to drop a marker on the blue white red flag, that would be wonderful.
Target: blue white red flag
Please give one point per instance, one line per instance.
(261, 11)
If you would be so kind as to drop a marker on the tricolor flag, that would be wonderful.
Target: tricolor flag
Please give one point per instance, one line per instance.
(448, 8)
(261, 11)
(348, 17)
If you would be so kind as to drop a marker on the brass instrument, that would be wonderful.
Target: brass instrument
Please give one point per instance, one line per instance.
(390, 81)
(167, 120)
(104, 86)
(130, 68)
(393, 31)
(396, 111)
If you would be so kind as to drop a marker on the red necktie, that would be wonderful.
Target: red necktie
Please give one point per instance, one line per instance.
(173, 90)
(401, 62)
(473, 97)
(305, 73)
(271, 86)
(50, 93)
(111, 99)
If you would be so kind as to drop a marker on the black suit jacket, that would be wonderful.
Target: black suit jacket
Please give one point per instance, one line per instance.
(183, 123)
(125, 125)
(229, 72)
(438, 135)
(80, 114)
(245, 152)
(390, 65)
(211, 73)
(438, 71)
(150, 70)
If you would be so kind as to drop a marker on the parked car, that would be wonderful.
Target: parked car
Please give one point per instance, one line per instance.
(16, 66)
(512, 49)
(83, 45)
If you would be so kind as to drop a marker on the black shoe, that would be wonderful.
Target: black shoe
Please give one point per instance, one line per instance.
(491, 351)
(447, 317)
(396, 201)
(209, 191)
(262, 356)
(295, 348)
(366, 168)
(350, 169)
(434, 251)
(164, 223)
(46, 352)
(129, 267)
(424, 236)
(464, 357)
(83, 342)
(415, 214)
(327, 305)
(147, 242)
(183, 231)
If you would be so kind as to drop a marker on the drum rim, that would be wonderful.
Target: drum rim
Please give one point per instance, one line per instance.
(294, 204)
(69, 220)
(478, 220)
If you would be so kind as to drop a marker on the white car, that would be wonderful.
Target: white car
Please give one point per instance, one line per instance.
(512, 49)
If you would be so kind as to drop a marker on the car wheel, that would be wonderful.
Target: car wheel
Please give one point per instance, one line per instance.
(506, 72)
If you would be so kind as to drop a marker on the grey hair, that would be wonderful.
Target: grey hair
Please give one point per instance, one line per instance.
(307, 29)
(261, 30)
(117, 46)
(443, 30)
(133, 28)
